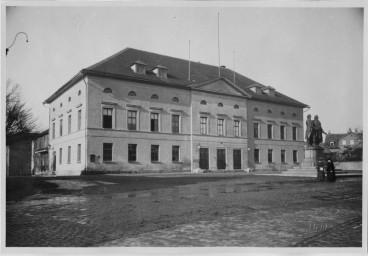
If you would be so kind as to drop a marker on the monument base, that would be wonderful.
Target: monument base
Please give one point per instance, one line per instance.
(311, 156)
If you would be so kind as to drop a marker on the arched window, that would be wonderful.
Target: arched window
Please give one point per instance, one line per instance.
(132, 94)
(236, 107)
(220, 105)
(79, 92)
(282, 113)
(61, 104)
(70, 98)
(203, 102)
(154, 96)
(107, 90)
(269, 111)
(175, 99)
(294, 115)
(255, 109)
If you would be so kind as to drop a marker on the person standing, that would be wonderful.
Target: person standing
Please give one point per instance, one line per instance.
(331, 175)
(320, 170)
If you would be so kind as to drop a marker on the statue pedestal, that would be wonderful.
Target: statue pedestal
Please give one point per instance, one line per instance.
(311, 156)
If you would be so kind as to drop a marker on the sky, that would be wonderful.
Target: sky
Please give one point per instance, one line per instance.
(314, 55)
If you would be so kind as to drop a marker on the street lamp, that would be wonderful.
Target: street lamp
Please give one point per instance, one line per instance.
(15, 38)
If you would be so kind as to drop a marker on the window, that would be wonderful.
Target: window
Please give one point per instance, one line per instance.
(107, 90)
(295, 133)
(61, 127)
(107, 118)
(332, 143)
(132, 152)
(61, 105)
(53, 130)
(175, 153)
(256, 155)
(282, 113)
(236, 107)
(220, 127)
(269, 111)
(132, 120)
(203, 102)
(53, 110)
(92, 158)
(79, 119)
(351, 142)
(154, 153)
(79, 92)
(220, 105)
(154, 97)
(175, 99)
(154, 122)
(60, 155)
(69, 153)
(255, 109)
(175, 123)
(270, 131)
(343, 142)
(132, 94)
(282, 156)
(293, 115)
(70, 98)
(236, 128)
(107, 152)
(282, 132)
(256, 130)
(270, 155)
(203, 125)
(79, 152)
(69, 123)
(295, 156)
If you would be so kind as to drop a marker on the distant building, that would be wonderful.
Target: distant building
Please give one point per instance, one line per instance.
(141, 111)
(40, 154)
(352, 140)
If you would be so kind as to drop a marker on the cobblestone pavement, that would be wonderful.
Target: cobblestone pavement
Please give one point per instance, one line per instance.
(243, 211)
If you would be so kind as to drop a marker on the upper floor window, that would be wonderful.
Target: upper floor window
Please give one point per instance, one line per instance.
(70, 98)
(61, 105)
(295, 133)
(53, 130)
(175, 99)
(107, 90)
(154, 122)
(282, 132)
(269, 111)
(282, 113)
(154, 96)
(132, 94)
(270, 131)
(236, 106)
(255, 109)
(69, 123)
(236, 128)
(175, 123)
(203, 125)
(256, 130)
(79, 119)
(79, 92)
(53, 109)
(220, 105)
(61, 127)
(132, 120)
(293, 115)
(107, 117)
(203, 102)
(220, 127)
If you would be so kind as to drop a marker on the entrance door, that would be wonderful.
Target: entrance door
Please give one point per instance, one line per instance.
(221, 159)
(237, 158)
(203, 158)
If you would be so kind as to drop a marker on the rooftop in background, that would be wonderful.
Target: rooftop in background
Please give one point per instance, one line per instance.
(119, 66)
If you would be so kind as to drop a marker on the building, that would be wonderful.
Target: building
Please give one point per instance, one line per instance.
(40, 154)
(141, 111)
(352, 140)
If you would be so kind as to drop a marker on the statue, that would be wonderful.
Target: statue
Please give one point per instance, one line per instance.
(317, 132)
(309, 131)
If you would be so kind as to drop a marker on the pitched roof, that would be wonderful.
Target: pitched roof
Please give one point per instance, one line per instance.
(118, 66)
(333, 137)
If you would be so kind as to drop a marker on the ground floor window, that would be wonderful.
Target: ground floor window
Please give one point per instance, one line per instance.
(154, 153)
(270, 155)
(256, 155)
(79, 151)
(132, 152)
(175, 153)
(295, 156)
(282, 156)
(107, 152)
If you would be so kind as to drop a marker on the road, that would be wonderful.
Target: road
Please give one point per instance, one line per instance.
(200, 210)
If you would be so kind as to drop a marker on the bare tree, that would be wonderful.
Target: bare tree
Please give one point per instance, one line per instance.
(19, 118)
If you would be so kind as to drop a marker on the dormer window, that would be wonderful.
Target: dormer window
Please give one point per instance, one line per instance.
(107, 90)
(270, 91)
(139, 67)
(160, 71)
(256, 88)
